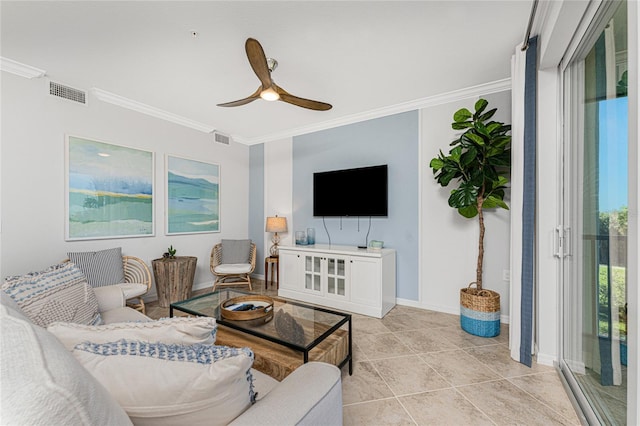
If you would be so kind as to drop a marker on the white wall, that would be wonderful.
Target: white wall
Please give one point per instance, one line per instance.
(449, 242)
(278, 186)
(33, 212)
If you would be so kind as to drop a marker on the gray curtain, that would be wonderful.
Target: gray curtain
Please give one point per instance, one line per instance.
(529, 203)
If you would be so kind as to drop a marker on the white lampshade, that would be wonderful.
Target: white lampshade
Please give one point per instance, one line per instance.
(276, 224)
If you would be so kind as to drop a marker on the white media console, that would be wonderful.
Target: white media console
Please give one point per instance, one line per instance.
(341, 277)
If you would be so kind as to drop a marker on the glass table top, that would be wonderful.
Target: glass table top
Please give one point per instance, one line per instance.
(291, 323)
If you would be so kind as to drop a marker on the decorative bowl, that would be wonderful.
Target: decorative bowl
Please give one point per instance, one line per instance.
(247, 307)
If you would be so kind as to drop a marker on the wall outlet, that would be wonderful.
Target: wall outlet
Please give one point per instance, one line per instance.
(506, 275)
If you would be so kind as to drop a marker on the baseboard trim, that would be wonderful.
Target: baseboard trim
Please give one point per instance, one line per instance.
(202, 285)
(504, 319)
(408, 302)
(546, 359)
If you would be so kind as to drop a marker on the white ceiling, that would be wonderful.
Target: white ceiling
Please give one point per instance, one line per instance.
(360, 56)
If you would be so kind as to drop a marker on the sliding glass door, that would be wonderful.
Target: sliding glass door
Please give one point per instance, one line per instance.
(594, 342)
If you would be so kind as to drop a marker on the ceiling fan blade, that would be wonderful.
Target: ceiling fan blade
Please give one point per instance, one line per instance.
(258, 61)
(253, 97)
(302, 102)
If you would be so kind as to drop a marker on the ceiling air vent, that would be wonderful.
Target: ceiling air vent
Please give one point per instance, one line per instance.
(221, 137)
(66, 92)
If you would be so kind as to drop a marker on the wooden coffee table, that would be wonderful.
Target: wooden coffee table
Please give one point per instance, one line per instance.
(327, 333)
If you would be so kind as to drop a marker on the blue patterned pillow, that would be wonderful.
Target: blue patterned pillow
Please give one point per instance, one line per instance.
(102, 267)
(58, 293)
(160, 384)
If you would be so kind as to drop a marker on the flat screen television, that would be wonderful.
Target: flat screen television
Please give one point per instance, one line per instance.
(351, 192)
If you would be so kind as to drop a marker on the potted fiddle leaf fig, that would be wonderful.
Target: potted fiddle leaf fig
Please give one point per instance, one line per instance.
(478, 164)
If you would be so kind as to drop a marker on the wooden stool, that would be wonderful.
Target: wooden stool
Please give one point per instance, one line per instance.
(271, 261)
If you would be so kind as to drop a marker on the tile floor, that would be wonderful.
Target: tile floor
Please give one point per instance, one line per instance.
(417, 367)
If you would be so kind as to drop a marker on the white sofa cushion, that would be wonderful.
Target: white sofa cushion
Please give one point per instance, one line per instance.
(180, 330)
(159, 384)
(43, 384)
(58, 293)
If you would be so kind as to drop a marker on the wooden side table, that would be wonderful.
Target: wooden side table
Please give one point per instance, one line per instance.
(174, 278)
(273, 262)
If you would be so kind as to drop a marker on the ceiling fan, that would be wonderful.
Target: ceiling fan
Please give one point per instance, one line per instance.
(269, 90)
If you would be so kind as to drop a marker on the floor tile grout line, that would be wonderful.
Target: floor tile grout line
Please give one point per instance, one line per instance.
(383, 379)
(360, 351)
(393, 392)
(475, 406)
(525, 391)
(538, 399)
(466, 384)
(407, 411)
(436, 371)
(489, 366)
(351, 404)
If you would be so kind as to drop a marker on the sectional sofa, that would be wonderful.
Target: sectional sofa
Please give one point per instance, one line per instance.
(123, 368)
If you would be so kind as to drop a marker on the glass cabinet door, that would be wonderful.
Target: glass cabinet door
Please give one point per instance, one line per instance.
(312, 273)
(336, 276)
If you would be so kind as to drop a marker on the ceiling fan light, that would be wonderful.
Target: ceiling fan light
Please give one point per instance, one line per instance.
(269, 94)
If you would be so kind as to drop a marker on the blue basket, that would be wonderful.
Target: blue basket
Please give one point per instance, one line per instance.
(480, 311)
(483, 324)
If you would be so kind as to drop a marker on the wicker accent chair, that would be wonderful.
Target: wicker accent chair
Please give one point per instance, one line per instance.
(232, 274)
(135, 271)
(137, 282)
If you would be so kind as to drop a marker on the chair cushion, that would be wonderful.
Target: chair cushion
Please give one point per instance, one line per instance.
(233, 268)
(159, 384)
(180, 330)
(235, 251)
(42, 383)
(58, 293)
(132, 289)
(102, 267)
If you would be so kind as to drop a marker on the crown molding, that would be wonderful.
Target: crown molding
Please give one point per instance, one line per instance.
(444, 98)
(127, 103)
(17, 68)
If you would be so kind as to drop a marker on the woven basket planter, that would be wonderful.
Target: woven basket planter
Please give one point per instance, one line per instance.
(480, 311)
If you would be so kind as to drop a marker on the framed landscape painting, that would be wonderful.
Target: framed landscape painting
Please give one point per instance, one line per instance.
(109, 190)
(193, 196)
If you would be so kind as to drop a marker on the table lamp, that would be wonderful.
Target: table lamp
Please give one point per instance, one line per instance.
(275, 224)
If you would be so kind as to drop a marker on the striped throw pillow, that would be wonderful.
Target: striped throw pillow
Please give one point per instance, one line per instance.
(102, 267)
(58, 293)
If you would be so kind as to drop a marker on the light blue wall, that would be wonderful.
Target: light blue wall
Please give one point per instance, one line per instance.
(256, 202)
(391, 140)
